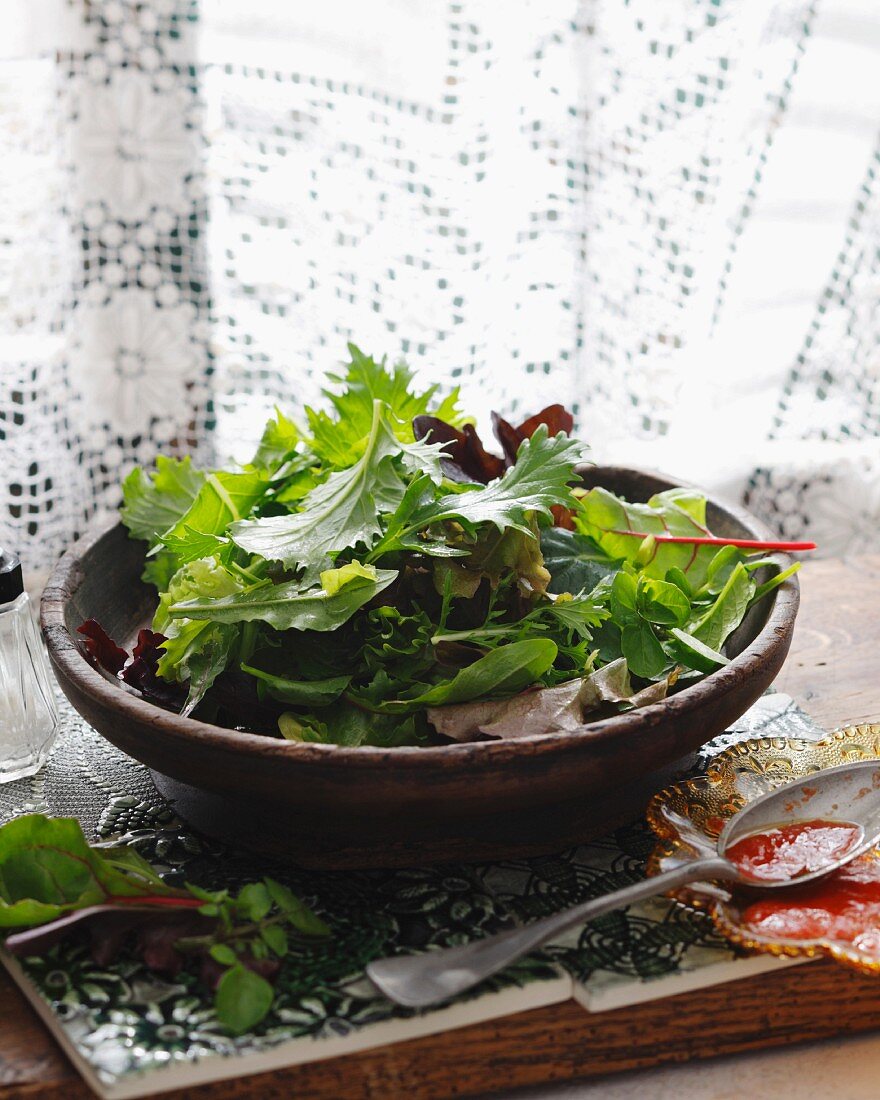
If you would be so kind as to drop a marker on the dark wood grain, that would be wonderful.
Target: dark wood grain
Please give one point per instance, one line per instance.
(833, 671)
(330, 806)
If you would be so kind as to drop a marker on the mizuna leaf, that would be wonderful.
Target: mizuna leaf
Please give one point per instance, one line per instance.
(344, 510)
(341, 441)
(278, 443)
(287, 606)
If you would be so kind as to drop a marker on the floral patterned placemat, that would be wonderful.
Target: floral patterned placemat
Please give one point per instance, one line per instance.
(133, 1034)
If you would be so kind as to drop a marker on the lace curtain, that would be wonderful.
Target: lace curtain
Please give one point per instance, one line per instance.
(663, 213)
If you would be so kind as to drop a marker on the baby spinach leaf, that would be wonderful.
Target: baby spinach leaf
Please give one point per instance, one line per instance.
(677, 577)
(642, 649)
(720, 567)
(316, 693)
(692, 653)
(724, 616)
(505, 670)
(287, 606)
(624, 594)
(661, 602)
(575, 562)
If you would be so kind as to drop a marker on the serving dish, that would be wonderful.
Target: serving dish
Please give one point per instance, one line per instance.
(689, 815)
(330, 806)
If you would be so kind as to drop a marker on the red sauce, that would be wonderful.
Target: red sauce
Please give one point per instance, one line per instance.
(845, 906)
(794, 849)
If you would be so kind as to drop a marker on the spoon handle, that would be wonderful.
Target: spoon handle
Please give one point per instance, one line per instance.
(418, 981)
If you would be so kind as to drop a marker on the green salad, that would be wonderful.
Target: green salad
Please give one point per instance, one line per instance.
(376, 576)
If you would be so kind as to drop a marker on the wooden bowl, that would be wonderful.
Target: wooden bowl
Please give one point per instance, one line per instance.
(328, 806)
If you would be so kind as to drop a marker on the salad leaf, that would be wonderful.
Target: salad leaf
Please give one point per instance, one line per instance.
(344, 510)
(222, 498)
(538, 480)
(380, 562)
(510, 668)
(727, 612)
(287, 606)
(351, 726)
(575, 562)
(277, 444)
(620, 528)
(693, 653)
(561, 709)
(340, 441)
(152, 503)
(47, 869)
(315, 693)
(52, 882)
(642, 649)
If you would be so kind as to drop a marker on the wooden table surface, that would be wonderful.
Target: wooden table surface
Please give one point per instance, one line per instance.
(833, 672)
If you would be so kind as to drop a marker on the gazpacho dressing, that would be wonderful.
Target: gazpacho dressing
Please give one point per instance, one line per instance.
(843, 906)
(795, 849)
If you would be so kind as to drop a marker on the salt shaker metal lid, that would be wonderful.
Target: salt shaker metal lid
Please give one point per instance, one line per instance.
(11, 579)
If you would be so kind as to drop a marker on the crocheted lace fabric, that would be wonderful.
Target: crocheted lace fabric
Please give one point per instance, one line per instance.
(663, 214)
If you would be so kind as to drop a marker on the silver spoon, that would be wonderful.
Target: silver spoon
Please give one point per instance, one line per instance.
(849, 793)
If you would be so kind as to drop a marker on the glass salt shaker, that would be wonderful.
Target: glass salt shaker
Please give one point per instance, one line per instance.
(28, 712)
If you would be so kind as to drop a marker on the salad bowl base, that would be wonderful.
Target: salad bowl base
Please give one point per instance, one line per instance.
(342, 842)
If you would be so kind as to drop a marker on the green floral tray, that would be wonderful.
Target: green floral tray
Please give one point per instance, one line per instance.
(133, 1034)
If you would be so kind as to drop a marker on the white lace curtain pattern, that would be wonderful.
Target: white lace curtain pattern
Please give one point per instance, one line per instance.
(666, 214)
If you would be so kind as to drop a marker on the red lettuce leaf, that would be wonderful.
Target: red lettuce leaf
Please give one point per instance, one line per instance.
(100, 649)
(466, 457)
(140, 672)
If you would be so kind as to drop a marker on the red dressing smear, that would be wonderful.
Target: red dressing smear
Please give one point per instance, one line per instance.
(789, 851)
(845, 906)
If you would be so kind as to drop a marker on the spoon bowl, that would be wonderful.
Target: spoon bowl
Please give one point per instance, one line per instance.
(847, 795)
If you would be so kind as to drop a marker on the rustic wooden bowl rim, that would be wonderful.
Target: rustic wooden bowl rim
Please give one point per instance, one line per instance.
(68, 575)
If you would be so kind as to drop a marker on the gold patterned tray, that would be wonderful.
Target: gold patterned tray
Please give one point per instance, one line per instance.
(688, 816)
